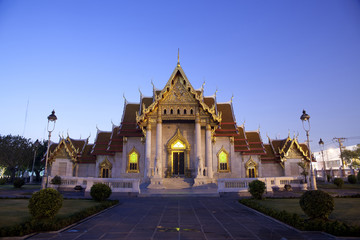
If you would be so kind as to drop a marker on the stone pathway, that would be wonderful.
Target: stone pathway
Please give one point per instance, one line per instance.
(181, 218)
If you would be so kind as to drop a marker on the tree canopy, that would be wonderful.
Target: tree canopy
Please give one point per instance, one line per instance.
(17, 154)
(352, 156)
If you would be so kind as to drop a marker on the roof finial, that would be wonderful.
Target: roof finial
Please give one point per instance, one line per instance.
(124, 98)
(178, 63)
(232, 97)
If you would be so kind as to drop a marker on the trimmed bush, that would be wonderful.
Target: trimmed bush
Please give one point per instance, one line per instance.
(56, 180)
(338, 182)
(100, 192)
(317, 204)
(45, 203)
(352, 179)
(257, 189)
(19, 182)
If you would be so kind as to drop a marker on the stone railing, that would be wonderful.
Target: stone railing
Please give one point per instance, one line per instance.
(116, 184)
(242, 184)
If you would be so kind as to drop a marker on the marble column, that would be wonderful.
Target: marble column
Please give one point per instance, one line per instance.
(158, 167)
(208, 152)
(200, 163)
(147, 173)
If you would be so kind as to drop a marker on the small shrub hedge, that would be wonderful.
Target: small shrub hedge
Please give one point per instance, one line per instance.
(352, 179)
(257, 189)
(53, 224)
(317, 204)
(338, 182)
(45, 203)
(336, 228)
(18, 182)
(100, 192)
(56, 180)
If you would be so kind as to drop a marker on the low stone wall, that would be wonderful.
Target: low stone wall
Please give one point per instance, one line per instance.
(271, 183)
(116, 184)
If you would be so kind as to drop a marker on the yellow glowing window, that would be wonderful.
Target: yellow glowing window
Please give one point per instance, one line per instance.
(223, 161)
(133, 161)
(178, 144)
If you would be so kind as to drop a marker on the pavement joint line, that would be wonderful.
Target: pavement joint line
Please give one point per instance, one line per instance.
(145, 215)
(217, 220)
(197, 217)
(161, 217)
(72, 225)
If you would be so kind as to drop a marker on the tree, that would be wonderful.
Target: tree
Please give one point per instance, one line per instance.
(40, 159)
(305, 169)
(16, 154)
(352, 156)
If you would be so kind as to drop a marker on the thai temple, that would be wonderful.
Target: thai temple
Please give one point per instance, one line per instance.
(178, 138)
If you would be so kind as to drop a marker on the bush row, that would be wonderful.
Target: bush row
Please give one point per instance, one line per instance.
(54, 224)
(333, 227)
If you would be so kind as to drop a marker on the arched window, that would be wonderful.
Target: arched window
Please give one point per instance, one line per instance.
(184, 111)
(133, 161)
(178, 111)
(105, 169)
(171, 111)
(191, 111)
(251, 169)
(223, 159)
(164, 111)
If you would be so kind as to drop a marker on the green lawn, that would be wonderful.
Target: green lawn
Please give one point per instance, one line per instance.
(7, 187)
(346, 209)
(15, 211)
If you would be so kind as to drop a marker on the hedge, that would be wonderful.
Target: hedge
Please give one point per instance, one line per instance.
(336, 228)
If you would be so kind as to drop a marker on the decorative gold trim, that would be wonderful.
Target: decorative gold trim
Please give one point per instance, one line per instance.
(105, 164)
(250, 164)
(72, 152)
(171, 150)
(227, 159)
(128, 161)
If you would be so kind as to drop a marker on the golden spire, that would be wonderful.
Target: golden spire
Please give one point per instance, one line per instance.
(178, 63)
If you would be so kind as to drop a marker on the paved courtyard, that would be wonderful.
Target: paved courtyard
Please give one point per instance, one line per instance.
(180, 218)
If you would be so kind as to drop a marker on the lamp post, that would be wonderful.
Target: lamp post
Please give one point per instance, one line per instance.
(51, 119)
(306, 118)
(321, 143)
(36, 145)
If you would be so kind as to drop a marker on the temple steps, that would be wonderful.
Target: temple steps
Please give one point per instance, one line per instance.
(178, 183)
(192, 192)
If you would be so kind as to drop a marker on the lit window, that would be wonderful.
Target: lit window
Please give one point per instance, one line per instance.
(133, 165)
(178, 144)
(223, 158)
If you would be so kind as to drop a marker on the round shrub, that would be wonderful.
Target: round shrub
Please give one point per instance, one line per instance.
(45, 203)
(19, 182)
(352, 179)
(338, 182)
(3, 181)
(317, 204)
(56, 180)
(257, 189)
(100, 192)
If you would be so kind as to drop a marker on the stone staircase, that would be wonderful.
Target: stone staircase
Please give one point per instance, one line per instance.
(178, 183)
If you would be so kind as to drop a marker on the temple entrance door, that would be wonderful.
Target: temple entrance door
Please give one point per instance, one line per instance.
(178, 163)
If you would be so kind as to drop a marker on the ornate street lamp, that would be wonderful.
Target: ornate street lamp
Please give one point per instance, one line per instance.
(305, 118)
(321, 144)
(51, 119)
(36, 145)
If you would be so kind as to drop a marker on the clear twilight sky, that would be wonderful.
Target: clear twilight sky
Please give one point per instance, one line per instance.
(276, 57)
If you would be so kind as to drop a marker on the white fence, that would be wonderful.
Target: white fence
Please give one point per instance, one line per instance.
(116, 184)
(242, 184)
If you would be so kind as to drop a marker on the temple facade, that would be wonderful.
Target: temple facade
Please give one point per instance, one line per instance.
(177, 133)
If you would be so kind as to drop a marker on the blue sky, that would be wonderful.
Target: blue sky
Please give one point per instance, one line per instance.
(276, 57)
